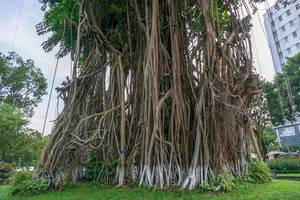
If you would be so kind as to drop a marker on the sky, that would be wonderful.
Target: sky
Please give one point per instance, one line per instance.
(17, 33)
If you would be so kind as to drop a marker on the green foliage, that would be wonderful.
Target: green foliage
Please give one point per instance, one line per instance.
(55, 14)
(269, 138)
(22, 85)
(258, 172)
(290, 148)
(262, 124)
(279, 104)
(196, 20)
(18, 144)
(20, 177)
(292, 69)
(31, 148)
(12, 125)
(192, 13)
(222, 182)
(23, 183)
(6, 169)
(274, 103)
(95, 165)
(285, 164)
(60, 15)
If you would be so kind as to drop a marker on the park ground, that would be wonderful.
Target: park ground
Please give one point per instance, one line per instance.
(276, 190)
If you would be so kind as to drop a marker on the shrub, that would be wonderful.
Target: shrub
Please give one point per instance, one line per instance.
(258, 172)
(222, 182)
(6, 170)
(96, 168)
(23, 183)
(290, 148)
(284, 164)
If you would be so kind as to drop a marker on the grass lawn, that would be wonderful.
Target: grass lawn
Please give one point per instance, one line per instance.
(277, 190)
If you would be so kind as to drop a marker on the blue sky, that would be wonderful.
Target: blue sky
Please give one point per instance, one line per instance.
(28, 45)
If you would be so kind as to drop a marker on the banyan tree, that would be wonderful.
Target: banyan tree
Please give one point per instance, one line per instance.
(162, 88)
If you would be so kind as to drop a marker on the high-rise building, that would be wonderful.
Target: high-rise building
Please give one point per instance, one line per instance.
(282, 24)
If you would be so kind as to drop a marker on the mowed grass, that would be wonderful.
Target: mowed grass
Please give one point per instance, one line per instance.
(276, 190)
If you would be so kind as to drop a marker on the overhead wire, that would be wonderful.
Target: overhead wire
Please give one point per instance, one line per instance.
(53, 81)
(17, 25)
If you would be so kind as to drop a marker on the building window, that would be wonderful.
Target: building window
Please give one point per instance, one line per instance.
(286, 39)
(280, 55)
(280, 18)
(288, 131)
(282, 28)
(275, 36)
(272, 24)
(291, 23)
(288, 12)
(277, 46)
(289, 51)
(295, 34)
(298, 45)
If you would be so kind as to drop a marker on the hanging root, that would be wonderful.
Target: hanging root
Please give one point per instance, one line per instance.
(169, 100)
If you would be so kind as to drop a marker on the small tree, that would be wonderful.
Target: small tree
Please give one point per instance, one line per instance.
(269, 139)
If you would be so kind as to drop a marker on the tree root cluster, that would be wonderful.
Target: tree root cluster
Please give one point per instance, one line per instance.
(171, 104)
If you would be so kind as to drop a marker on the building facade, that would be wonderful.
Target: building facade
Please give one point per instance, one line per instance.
(282, 24)
(289, 133)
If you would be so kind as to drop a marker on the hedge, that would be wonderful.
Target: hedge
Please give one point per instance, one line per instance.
(284, 164)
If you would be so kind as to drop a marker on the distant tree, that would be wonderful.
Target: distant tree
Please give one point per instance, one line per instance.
(269, 139)
(30, 146)
(18, 144)
(261, 119)
(292, 70)
(283, 3)
(21, 83)
(12, 125)
(282, 108)
(274, 103)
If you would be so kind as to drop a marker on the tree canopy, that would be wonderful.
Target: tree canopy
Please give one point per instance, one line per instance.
(12, 125)
(18, 144)
(22, 84)
(280, 106)
(60, 21)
